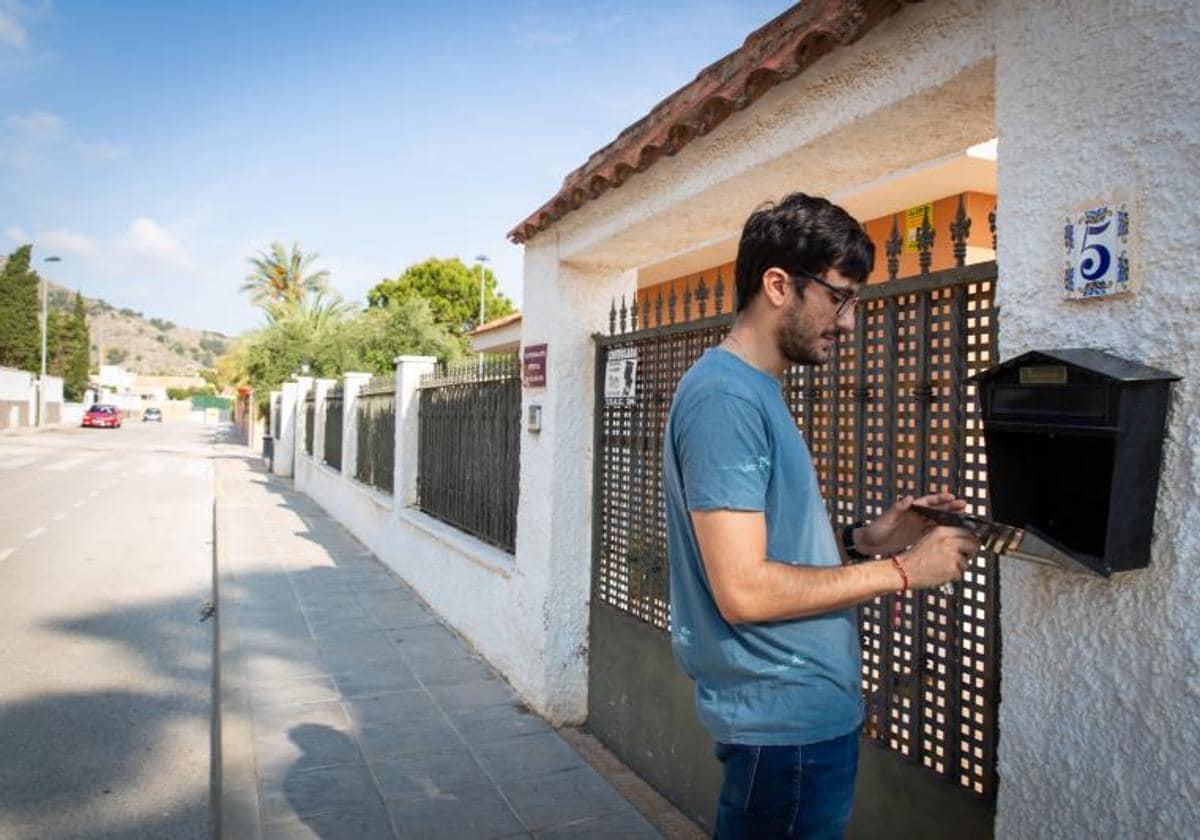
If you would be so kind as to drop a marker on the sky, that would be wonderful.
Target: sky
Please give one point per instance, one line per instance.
(154, 146)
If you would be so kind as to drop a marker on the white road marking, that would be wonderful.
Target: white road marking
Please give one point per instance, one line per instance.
(63, 466)
(58, 516)
(36, 532)
(6, 553)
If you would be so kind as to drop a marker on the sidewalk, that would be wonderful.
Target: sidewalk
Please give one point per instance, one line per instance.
(349, 710)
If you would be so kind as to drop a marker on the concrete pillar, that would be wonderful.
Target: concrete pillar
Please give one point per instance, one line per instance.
(352, 384)
(285, 448)
(565, 304)
(304, 386)
(409, 370)
(1110, 665)
(320, 389)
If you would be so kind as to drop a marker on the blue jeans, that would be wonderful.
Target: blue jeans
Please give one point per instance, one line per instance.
(794, 792)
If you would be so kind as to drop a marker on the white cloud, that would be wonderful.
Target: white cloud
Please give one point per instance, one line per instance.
(11, 30)
(61, 241)
(16, 234)
(28, 136)
(13, 14)
(37, 125)
(145, 250)
(101, 152)
(153, 246)
(534, 31)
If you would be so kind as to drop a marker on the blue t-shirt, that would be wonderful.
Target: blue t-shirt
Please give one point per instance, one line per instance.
(732, 444)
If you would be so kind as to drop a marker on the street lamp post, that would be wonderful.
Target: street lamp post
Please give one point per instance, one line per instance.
(41, 420)
(481, 259)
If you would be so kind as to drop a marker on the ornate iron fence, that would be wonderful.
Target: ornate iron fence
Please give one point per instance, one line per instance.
(376, 432)
(310, 412)
(891, 413)
(469, 461)
(333, 427)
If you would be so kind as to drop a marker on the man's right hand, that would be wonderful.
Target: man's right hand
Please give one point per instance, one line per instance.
(941, 555)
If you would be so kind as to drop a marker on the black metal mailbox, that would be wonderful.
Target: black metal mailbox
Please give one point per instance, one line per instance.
(1074, 449)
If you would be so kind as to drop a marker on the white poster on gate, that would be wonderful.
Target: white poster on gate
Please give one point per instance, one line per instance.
(620, 376)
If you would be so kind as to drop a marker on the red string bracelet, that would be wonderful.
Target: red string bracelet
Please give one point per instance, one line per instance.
(896, 605)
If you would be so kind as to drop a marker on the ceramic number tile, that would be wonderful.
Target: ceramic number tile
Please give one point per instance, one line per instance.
(1096, 241)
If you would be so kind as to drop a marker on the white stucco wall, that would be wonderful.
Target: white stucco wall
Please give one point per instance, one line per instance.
(564, 306)
(1100, 706)
(15, 384)
(500, 609)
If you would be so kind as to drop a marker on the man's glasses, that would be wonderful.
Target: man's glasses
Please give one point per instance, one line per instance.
(846, 299)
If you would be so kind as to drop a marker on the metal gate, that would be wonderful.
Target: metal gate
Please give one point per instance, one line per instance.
(891, 413)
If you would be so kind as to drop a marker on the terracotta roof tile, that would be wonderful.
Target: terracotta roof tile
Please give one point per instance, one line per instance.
(774, 53)
(496, 324)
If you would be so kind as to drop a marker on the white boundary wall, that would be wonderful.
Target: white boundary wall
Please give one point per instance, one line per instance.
(472, 585)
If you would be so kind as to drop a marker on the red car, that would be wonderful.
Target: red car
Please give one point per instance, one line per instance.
(103, 417)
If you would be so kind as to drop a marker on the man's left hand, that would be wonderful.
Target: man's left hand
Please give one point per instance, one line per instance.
(899, 526)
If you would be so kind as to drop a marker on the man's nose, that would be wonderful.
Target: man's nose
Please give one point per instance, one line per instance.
(845, 321)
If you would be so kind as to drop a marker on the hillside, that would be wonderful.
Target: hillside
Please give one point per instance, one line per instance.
(142, 344)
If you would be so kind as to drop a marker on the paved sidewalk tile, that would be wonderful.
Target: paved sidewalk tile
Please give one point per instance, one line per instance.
(370, 718)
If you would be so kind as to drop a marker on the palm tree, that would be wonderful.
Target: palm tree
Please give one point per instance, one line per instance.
(318, 310)
(280, 277)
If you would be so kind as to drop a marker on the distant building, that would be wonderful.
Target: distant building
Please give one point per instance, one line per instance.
(502, 335)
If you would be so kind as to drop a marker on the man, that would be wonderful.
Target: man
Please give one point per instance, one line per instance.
(761, 590)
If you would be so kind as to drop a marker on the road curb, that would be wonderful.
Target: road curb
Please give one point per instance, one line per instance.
(235, 785)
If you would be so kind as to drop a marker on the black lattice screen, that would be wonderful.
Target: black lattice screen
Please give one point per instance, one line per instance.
(890, 414)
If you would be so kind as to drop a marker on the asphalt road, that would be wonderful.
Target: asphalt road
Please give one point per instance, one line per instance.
(105, 665)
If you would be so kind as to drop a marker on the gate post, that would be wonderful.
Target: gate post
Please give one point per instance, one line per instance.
(282, 463)
(304, 384)
(353, 383)
(409, 370)
(565, 304)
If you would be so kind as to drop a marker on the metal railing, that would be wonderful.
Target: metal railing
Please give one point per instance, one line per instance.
(375, 427)
(333, 427)
(469, 460)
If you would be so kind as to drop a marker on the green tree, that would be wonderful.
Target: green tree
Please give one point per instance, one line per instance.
(20, 334)
(372, 341)
(452, 290)
(75, 376)
(281, 277)
(67, 343)
(331, 339)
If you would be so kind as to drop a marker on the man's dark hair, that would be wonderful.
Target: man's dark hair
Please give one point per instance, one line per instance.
(800, 234)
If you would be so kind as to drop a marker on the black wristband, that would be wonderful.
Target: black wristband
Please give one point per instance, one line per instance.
(848, 542)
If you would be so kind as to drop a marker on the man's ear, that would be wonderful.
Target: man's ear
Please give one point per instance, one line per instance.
(776, 286)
